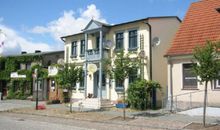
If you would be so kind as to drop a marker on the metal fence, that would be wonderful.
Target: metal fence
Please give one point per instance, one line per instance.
(186, 101)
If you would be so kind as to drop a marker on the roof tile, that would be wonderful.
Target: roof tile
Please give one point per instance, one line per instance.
(201, 23)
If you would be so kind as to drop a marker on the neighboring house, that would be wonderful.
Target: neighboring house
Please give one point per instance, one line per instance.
(19, 76)
(201, 23)
(98, 41)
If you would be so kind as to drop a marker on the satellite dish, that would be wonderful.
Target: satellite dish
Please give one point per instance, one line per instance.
(107, 44)
(92, 68)
(60, 61)
(155, 41)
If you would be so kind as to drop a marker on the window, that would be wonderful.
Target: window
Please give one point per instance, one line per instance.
(74, 49)
(133, 75)
(132, 39)
(189, 77)
(28, 66)
(97, 42)
(217, 83)
(118, 85)
(81, 87)
(103, 80)
(218, 10)
(82, 48)
(119, 39)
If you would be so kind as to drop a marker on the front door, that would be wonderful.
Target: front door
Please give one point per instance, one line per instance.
(96, 88)
(96, 84)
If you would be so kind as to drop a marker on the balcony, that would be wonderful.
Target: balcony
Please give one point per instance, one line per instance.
(94, 54)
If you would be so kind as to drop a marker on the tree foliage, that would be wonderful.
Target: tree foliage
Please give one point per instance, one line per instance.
(139, 93)
(69, 75)
(122, 66)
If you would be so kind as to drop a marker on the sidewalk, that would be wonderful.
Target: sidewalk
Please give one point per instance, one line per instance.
(150, 119)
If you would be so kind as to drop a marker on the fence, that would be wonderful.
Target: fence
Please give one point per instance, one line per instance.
(187, 101)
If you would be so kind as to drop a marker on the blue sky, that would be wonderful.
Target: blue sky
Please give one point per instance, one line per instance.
(38, 24)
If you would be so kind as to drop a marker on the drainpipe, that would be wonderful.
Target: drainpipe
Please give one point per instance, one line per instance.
(150, 49)
(171, 83)
(154, 98)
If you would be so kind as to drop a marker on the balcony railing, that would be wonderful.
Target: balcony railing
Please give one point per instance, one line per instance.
(93, 54)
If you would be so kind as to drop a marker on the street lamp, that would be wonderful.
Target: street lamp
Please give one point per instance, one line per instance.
(36, 79)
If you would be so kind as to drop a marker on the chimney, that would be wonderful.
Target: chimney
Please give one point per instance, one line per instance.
(23, 52)
(37, 51)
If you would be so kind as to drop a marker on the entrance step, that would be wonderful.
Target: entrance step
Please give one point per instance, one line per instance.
(106, 104)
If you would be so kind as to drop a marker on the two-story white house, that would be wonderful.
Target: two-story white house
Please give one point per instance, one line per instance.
(149, 36)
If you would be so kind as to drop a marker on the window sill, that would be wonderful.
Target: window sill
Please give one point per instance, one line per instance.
(190, 89)
(216, 89)
(82, 55)
(81, 88)
(119, 89)
(119, 49)
(73, 56)
(133, 49)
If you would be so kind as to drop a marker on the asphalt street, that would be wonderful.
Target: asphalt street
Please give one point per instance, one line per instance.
(9, 122)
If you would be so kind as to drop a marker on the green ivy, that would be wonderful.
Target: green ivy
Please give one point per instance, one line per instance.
(12, 64)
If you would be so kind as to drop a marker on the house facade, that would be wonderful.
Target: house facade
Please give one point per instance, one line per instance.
(149, 37)
(201, 24)
(17, 75)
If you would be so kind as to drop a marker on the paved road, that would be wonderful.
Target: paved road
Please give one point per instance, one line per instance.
(12, 121)
(19, 122)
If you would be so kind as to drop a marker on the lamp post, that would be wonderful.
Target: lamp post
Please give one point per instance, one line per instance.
(36, 79)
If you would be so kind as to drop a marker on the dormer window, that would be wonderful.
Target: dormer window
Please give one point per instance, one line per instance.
(218, 9)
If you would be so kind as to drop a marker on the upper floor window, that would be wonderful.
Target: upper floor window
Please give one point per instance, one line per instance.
(74, 49)
(82, 48)
(189, 77)
(97, 42)
(132, 39)
(119, 39)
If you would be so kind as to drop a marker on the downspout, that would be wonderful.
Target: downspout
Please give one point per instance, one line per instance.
(154, 98)
(171, 83)
(150, 49)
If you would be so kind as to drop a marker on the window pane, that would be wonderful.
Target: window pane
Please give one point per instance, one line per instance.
(74, 48)
(119, 40)
(189, 77)
(82, 48)
(133, 39)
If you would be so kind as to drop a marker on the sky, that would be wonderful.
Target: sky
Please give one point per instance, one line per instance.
(30, 25)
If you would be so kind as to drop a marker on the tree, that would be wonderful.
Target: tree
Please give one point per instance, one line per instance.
(68, 76)
(123, 64)
(207, 67)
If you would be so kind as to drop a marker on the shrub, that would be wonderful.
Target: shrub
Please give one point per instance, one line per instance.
(139, 92)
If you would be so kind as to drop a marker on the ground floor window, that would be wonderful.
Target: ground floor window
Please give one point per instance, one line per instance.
(189, 77)
(81, 83)
(133, 75)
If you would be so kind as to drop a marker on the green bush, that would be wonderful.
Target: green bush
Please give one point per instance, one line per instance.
(139, 92)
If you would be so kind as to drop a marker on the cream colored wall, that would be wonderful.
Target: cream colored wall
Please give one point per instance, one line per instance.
(142, 29)
(165, 29)
(184, 95)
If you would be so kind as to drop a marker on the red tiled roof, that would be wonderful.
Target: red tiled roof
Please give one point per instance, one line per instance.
(201, 23)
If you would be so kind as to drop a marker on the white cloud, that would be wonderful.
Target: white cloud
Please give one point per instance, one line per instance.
(14, 43)
(69, 24)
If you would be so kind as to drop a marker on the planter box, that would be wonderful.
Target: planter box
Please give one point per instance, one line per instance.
(121, 105)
